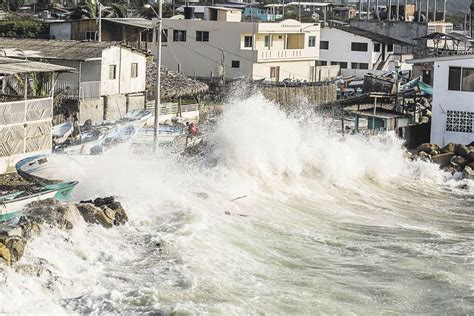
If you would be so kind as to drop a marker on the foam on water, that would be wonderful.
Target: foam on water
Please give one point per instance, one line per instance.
(324, 224)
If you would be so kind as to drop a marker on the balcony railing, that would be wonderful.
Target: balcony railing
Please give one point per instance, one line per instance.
(285, 54)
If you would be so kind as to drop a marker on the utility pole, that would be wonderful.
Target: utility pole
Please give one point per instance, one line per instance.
(427, 11)
(444, 11)
(434, 10)
(419, 12)
(156, 123)
(389, 10)
(398, 10)
(99, 36)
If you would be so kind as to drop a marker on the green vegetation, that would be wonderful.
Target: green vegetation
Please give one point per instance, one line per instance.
(22, 28)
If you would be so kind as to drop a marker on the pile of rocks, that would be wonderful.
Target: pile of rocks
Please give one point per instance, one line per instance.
(451, 158)
(39, 215)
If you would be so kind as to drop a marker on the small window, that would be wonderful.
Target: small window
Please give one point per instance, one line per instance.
(324, 45)
(359, 47)
(273, 72)
(390, 48)
(266, 41)
(112, 72)
(236, 64)
(322, 63)
(146, 36)
(164, 35)
(179, 36)
(91, 36)
(202, 36)
(454, 79)
(377, 47)
(134, 70)
(248, 41)
(461, 79)
(359, 66)
(468, 79)
(312, 41)
(341, 64)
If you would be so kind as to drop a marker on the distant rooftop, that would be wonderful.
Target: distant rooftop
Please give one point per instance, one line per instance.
(52, 49)
(11, 66)
(379, 38)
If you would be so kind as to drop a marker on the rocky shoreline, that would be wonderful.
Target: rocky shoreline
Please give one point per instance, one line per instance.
(41, 215)
(451, 158)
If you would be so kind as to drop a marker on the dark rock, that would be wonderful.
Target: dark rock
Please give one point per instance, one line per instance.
(468, 173)
(16, 245)
(424, 156)
(470, 157)
(443, 160)
(458, 162)
(104, 201)
(434, 153)
(107, 214)
(462, 150)
(51, 212)
(449, 148)
(427, 148)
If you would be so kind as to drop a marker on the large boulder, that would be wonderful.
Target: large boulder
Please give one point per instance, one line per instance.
(462, 150)
(459, 162)
(449, 148)
(103, 211)
(443, 160)
(470, 157)
(51, 212)
(427, 148)
(5, 255)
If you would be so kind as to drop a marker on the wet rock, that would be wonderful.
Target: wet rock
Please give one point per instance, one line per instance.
(103, 211)
(16, 245)
(470, 157)
(449, 148)
(443, 160)
(458, 162)
(468, 173)
(5, 253)
(424, 156)
(51, 212)
(462, 150)
(427, 148)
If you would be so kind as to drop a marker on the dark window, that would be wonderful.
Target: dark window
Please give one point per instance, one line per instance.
(236, 64)
(322, 63)
(146, 36)
(377, 47)
(341, 64)
(454, 79)
(359, 47)
(112, 72)
(179, 35)
(468, 79)
(248, 41)
(324, 45)
(312, 41)
(202, 36)
(134, 70)
(164, 35)
(91, 36)
(390, 48)
(266, 42)
(359, 66)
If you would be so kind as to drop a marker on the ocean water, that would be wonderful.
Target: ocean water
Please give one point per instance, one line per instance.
(278, 217)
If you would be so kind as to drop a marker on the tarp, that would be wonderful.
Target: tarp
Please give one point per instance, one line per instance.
(426, 89)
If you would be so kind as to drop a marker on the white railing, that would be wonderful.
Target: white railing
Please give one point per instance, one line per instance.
(285, 54)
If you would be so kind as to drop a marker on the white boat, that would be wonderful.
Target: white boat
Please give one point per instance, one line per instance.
(61, 132)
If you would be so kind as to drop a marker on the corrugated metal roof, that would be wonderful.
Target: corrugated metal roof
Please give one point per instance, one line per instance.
(379, 38)
(11, 66)
(137, 22)
(52, 49)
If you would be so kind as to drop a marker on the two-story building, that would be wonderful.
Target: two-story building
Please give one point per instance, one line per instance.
(225, 48)
(358, 51)
(453, 99)
(110, 77)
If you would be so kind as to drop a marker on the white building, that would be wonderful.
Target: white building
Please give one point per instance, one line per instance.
(110, 78)
(453, 99)
(260, 50)
(358, 51)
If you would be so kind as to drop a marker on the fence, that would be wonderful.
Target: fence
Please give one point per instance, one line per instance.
(72, 90)
(25, 127)
(297, 96)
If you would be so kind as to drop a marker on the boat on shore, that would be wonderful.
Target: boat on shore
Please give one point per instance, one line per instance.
(38, 189)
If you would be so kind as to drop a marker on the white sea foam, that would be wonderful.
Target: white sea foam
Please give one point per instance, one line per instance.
(322, 224)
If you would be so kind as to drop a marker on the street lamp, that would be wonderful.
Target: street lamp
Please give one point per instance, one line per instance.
(158, 73)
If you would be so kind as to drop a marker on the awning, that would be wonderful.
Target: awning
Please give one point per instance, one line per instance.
(11, 66)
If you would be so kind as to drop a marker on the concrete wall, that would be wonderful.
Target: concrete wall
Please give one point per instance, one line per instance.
(324, 73)
(445, 100)
(299, 70)
(91, 109)
(109, 107)
(404, 31)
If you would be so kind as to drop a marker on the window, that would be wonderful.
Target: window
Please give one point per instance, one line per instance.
(202, 36)
(248, 41)
(341, 64)
(312, 41)
(460, 121)
(359, 47)
(324, 45)
(146, 36)
(359, 66)
(134, 70)
(179, 36)
(236, 64)
(164, 36)
(91, 36)
(321, 63)
(266, 41)
(112, 72)
(461, 79)
(377, 47)
(390, 48)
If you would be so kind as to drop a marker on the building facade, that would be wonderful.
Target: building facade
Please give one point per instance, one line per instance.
(453, 100)
(257, 51)
(358, 52)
